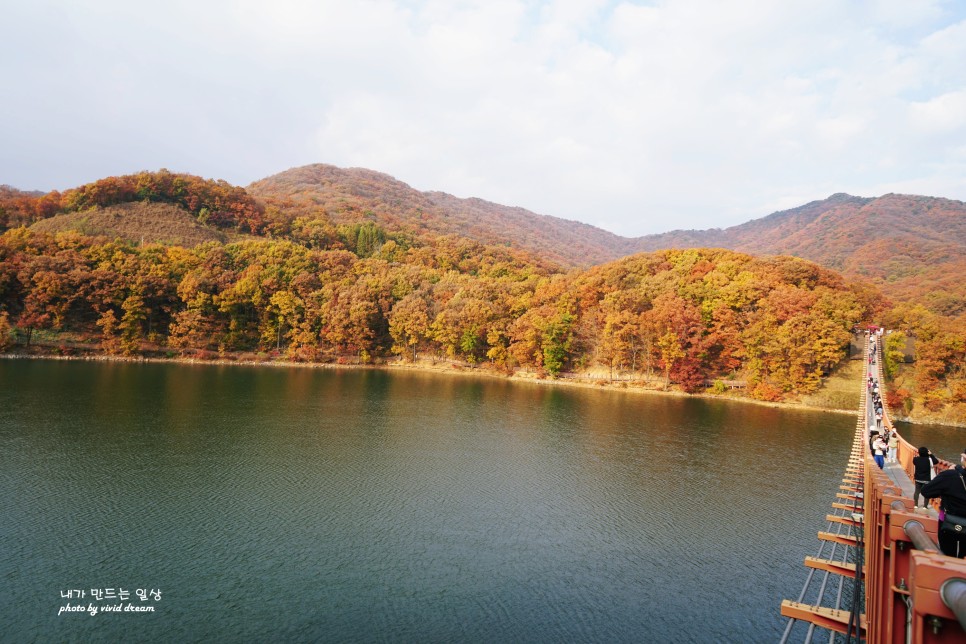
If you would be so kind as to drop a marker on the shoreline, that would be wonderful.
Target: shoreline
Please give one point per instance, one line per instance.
(450, 368)
(440, 368)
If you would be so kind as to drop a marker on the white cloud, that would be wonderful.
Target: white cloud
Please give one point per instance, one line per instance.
(945, 114)
(840, 132)
(637, 117)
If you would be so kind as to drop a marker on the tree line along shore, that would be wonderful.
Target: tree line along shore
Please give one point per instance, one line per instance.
(301, 289)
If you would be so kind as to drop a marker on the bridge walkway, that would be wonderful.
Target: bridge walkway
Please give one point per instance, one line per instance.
(887, 582)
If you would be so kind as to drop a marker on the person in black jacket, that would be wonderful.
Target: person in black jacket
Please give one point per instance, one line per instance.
(950, 487)
(923, 465)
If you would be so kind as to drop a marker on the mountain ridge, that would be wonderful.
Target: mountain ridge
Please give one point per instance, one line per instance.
(907, 244)
(348, 194)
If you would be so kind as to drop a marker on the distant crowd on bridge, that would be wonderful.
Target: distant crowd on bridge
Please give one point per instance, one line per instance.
(949, 486)
(883, 444)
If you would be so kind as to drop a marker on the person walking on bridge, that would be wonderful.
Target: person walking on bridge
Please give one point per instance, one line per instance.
(922, 474)
(950, 487)
(879, 448)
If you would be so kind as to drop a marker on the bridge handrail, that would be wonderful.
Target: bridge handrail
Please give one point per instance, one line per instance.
(917, 534)
(953, 592)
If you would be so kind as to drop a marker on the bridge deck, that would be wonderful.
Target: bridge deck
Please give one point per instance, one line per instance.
(898, 475)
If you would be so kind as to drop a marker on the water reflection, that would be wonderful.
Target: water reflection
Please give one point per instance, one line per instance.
(945, 441)
(357, 505)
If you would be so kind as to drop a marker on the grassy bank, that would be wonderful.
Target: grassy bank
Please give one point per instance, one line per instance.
(840, 392)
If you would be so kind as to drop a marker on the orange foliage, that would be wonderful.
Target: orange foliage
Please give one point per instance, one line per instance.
(215, 202)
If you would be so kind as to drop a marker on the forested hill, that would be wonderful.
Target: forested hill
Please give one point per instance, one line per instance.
(765, 233)
(914, 247)
(350, 195)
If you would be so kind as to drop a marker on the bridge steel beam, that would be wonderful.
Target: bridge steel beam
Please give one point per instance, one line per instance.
(822, 616)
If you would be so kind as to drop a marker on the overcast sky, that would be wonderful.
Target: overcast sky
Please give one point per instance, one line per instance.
(637, 117)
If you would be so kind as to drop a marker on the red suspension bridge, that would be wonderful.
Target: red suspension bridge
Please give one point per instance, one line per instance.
(878, 575)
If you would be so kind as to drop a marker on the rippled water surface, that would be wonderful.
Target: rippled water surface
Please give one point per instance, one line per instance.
(317, 505)
(945, 441)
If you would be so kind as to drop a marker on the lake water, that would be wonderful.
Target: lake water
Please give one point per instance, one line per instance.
(271, 504)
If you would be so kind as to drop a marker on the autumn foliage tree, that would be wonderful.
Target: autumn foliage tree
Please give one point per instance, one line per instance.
(214, 202)
(696, 315)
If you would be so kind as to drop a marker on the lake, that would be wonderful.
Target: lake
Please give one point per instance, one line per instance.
(272, 504)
